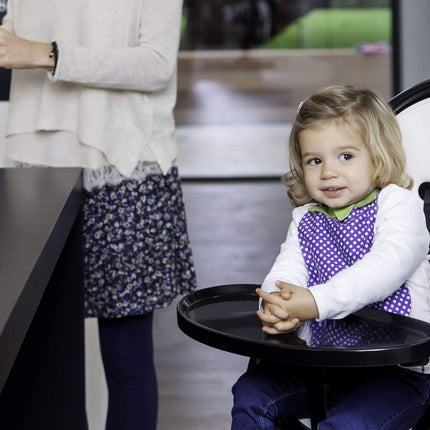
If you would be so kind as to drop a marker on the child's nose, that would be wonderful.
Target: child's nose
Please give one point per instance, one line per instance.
(328, 171)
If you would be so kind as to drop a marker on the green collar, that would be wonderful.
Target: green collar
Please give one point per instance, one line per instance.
(343, 213)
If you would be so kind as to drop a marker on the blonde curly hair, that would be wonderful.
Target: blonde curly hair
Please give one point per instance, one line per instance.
(368, 116)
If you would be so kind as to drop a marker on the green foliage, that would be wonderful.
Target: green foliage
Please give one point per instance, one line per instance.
(183, 25)
(360, 3)
(335, 28)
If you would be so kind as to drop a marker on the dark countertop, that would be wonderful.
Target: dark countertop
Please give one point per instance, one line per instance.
(38, 208)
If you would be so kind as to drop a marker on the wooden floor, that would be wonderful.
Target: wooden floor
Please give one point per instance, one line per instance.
(234, 113)
(235, 229)
(235, 108)
(237, 87)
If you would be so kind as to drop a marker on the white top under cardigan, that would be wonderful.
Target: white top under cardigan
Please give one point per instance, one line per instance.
(398, 255)
(112, 96)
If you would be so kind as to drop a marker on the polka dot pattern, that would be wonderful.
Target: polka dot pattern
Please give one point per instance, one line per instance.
(352, 332)
(329, 246)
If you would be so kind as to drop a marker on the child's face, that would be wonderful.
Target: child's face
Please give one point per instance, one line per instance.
(337, 167)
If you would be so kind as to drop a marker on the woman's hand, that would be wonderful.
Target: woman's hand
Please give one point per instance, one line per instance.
(17, 53)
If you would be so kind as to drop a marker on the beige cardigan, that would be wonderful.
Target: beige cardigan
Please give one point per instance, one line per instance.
(115, 82)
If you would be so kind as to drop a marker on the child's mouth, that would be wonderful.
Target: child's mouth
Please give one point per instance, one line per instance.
(332, 192)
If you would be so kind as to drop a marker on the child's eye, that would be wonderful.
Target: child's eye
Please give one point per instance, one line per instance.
(313, 161)
(345, 157)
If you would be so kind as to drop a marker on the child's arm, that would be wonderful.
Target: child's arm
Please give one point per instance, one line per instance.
(400, 246)
(288, 309)
(289, 265)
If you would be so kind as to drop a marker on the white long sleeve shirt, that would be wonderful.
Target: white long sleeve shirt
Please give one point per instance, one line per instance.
(398, 255)
(114, 88)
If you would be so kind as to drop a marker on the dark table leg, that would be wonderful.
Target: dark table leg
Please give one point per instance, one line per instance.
(318, 394)
(46, 386)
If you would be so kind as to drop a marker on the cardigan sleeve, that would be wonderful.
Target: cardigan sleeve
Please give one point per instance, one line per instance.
(400, 245)
(148, 66)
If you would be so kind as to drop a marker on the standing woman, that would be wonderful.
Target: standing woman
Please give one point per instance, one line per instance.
(94, 86)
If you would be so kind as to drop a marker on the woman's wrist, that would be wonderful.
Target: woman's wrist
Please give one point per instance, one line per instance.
(43, 55)
(18, 53)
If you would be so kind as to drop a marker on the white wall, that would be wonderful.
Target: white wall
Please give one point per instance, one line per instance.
(414, 42)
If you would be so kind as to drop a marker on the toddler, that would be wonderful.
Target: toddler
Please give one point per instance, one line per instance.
(358, 237)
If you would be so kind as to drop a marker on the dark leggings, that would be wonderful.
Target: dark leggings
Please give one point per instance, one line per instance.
(127, 353)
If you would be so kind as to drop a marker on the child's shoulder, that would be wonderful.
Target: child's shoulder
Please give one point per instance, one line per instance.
(393, 196)
(300, 211)
(396, 193)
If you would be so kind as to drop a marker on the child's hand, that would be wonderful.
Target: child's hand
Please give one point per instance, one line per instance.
(301, 302)
(288, 309)
(276, 318)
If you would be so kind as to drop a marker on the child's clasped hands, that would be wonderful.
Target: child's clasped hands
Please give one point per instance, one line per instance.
(284, 311)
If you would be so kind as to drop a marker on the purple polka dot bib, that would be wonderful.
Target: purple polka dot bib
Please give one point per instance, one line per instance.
(329, 246)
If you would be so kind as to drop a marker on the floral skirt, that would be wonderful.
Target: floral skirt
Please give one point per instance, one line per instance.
(137, 255)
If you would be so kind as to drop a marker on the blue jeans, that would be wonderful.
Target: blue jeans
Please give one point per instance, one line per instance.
(385, 398)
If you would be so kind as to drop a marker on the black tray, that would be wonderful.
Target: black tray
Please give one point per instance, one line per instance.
(225, 317)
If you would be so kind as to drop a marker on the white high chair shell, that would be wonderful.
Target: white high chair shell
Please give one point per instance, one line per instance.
(412, 108)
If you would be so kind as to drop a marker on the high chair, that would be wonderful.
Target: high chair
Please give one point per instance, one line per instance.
(412, 108)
